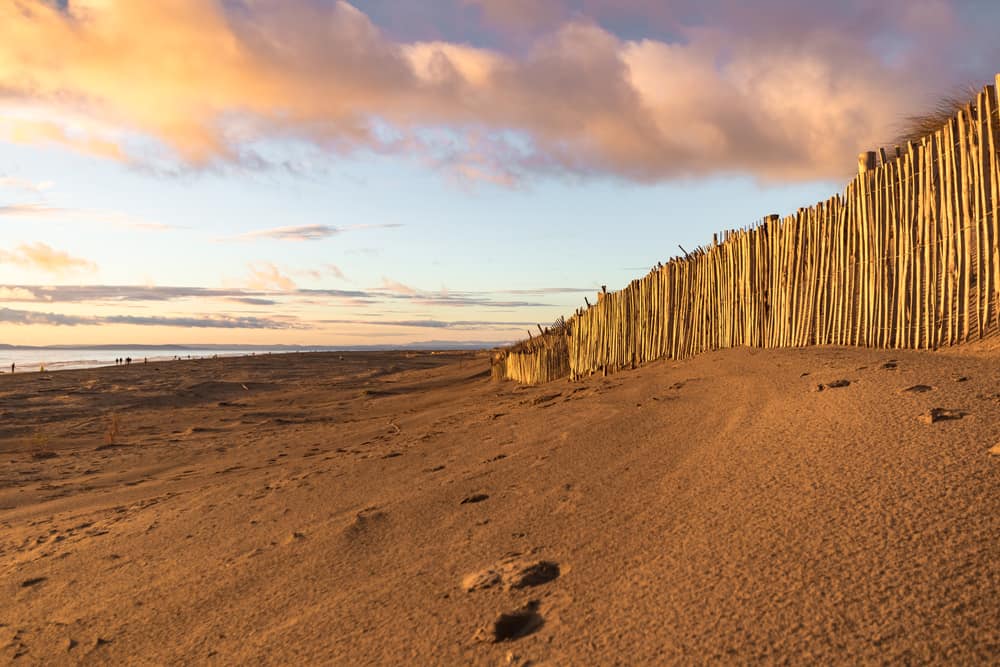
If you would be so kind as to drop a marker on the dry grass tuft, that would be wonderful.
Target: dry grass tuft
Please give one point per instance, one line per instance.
(914, 128)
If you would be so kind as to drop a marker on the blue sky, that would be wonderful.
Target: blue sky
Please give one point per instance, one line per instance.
(389, 180)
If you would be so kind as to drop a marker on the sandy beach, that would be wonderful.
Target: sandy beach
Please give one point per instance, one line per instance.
(805, 505)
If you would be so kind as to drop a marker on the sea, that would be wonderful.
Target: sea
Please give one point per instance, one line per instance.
(33, 359)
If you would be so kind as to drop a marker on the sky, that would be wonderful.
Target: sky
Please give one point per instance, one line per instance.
(320, 172)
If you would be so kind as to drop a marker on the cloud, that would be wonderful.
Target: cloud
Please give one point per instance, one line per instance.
(334, 270)
(42, 257)
(267, 276)
(253, 301)
(30, 211)
(636, 89)
(16, 294)
(269, 289)
(204, 322)
(305, 232)
(28, 317)
(299, 233)
(520, 15)
(114, 218)
(397, 287)
(14, 183)
(20, 131)
(326, 270)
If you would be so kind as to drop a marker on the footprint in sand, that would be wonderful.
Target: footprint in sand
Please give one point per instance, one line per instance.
(940, 414)
(918, 389)
(474, 498)
(836, 384)
(512, 625)
(366, 522)
(512, 573)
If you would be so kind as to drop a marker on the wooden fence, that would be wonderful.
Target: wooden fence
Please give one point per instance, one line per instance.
(907, 257)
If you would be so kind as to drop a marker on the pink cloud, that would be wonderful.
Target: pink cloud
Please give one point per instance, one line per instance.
(776, 91)
(42, 257)
(267, 276)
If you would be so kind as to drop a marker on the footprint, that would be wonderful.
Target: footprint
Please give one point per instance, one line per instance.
(34, 581)
(535, 574)
(512, 625)
(890, 366)
(919, 389)
(940, 414)
(512, 573)
(366, 522)
(481, 581)
(474, 498)
(836, 384)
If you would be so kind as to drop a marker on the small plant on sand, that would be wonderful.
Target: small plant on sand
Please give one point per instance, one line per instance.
(113, 429)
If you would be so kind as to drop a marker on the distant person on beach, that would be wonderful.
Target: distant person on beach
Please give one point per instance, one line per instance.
(12, 369)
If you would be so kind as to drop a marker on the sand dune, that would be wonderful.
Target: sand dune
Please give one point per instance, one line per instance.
(397, 508)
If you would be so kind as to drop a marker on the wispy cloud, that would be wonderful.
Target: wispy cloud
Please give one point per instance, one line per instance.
(270, 287)
(30, 317)
(397, 287)
(43, 257)
(327, 270)
(305, 232)
(31, 211)
(24, 185)
(114, 218)
(252, 300)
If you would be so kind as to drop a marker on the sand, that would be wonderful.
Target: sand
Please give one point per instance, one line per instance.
(398, 508)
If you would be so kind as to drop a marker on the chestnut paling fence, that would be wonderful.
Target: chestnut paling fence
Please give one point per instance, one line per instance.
(906, 257)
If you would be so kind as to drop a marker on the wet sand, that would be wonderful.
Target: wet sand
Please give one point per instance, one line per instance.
(398, 508)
